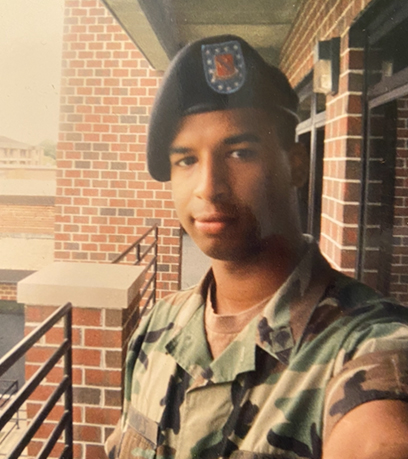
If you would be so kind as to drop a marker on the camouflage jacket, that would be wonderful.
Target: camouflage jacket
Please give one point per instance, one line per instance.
(324, 344)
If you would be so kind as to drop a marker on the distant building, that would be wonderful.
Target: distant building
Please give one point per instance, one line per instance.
(27, 207)
(16, 153)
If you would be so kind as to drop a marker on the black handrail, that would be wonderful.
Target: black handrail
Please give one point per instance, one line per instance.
(150, 250)
(64, 388)
(11, 388)
(9, 391)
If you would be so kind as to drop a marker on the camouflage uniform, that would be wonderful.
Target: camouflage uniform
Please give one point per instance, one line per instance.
(323, 345)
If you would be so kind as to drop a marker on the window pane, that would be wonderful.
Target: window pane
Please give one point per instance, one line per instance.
(305, 107)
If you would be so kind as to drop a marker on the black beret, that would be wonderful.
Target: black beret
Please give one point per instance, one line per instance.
(215, 73)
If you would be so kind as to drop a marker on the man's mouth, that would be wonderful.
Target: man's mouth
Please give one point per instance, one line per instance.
(213, 223)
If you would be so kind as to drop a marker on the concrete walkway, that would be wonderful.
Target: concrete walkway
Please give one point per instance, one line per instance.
(11, 434)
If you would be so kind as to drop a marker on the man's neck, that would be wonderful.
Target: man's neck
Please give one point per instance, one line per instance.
(242, 284)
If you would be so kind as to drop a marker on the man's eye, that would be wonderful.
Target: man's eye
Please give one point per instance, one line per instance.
(243, 154)
(186, 161)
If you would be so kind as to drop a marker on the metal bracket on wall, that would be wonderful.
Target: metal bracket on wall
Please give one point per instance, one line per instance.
(327, 66)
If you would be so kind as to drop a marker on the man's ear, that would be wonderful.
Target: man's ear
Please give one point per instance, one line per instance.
(299, 164)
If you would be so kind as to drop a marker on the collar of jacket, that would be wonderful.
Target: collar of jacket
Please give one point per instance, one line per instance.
(278, 330)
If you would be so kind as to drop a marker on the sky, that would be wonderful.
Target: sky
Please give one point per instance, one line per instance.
(30, 69)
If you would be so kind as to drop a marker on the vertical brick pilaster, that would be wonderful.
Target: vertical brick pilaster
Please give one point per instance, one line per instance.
(98, 363)
(399, 268)
(342, 165)
(105, 197)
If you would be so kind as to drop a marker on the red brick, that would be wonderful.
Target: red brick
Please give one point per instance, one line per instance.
(39, 354)
(88, 357)
(98, 416)
(105, 378)
(95, 451)
(85, 433)
(86, 317)
(103, 338)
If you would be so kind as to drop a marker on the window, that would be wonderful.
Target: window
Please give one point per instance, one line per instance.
(310, 133)
(383, 241)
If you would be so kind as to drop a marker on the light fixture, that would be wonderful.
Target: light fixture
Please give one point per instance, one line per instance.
(326, 68)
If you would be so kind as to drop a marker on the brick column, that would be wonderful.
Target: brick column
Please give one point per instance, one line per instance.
(105, 299)
(105, 197)
(342, 164)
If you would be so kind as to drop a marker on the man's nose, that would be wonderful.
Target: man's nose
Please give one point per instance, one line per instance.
(212, 181)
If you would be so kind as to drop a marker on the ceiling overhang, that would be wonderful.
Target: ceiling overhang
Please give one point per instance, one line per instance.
(161, 27)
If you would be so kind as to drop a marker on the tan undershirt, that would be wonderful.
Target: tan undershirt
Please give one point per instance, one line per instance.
(222, 329)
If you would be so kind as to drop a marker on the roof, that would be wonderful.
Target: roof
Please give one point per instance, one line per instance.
(6, 142)
(12, 276)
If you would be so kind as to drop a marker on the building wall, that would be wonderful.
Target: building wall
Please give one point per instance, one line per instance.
(322, 20)
(27, 218)
(105, 197)
(21, 156)
(399, 270)
(27, 209)
(43, 173)
(18, 219)
(8, 291)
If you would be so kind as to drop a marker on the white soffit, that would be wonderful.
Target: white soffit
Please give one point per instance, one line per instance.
(161, 27)
(133, 20)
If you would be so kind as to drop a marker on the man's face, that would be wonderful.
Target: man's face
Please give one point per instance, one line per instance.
(232, 183)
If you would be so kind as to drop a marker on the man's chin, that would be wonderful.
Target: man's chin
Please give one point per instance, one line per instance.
(227, 253)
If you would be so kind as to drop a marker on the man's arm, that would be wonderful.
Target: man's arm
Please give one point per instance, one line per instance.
(373, 430)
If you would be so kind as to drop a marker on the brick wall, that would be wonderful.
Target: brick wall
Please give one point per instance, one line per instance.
(8, 292)
(105, 197)
(17, 219)
(399, 270)
(322, 20)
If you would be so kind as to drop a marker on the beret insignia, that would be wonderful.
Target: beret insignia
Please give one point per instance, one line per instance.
(224, 66)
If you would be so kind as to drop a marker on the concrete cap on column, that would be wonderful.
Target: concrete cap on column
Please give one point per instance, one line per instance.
(93, 285)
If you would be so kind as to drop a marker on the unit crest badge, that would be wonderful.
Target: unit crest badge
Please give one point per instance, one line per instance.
(224, 66)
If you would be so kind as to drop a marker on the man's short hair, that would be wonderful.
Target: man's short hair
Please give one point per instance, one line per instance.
(217, 73)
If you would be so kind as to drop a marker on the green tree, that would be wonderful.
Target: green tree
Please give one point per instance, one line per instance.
(50, 148)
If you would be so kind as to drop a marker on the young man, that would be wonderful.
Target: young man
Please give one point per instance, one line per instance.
(273, 354)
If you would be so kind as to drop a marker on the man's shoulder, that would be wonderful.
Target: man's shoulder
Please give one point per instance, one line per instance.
(177, 298)
(164, 319)
(353, 296)
(352, 313)
(175, 306)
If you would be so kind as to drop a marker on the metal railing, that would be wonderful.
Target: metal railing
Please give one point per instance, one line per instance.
(144, 250)
(8, 388)
(63, 389)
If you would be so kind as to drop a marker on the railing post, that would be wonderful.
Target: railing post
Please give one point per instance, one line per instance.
(68, 394)
(156, 237)
(150, 251)
(18, 411)
(137, 253)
